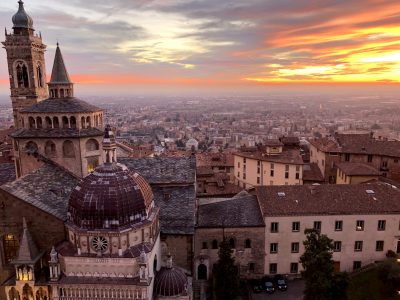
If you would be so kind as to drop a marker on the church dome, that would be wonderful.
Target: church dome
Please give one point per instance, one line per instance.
(170, 281)
(21, 19)
(109, 198)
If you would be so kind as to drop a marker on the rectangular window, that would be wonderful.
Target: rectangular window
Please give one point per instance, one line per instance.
(347, 157)
(273, 268)
(317, 225)
(360, 225)
(274, 227)
(337, 246)
(272, 173)
(338, 225)
(272, 166)
(356, 265)
(369, 158)
(286, 174)
(296, 226)
(295, 247)
(273, 248)
(258, 163)
(204, 245)
(381, 225)
(244, 175)
(297, 175)
(238, 164)
(358, 245)
(238, 174)
(294, 268)
(379, 245)
(258, 180)
(252, 266)
(244, 160)
(297, 168)
(258, 170)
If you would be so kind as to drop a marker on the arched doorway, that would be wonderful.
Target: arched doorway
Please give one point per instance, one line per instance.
(202, 272)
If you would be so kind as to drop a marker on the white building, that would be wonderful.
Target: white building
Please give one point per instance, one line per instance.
(362, 220)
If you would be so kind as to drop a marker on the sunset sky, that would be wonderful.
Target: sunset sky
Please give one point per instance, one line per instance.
(181, 45)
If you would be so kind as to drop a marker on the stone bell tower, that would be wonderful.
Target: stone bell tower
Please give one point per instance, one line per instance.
(26, 64)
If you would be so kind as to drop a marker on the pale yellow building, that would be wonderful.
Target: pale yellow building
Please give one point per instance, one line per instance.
(355, 173)
(271, 164)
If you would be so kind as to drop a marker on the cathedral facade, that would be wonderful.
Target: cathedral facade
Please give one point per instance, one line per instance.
(76, 224)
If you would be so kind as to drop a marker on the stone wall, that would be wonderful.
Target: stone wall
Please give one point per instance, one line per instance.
(243, 256)
(181, 249)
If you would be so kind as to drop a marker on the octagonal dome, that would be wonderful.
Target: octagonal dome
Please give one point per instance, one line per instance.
(110, 197)
(170, 282)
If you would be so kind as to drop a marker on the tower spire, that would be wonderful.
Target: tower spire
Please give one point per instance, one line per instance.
(60, 84)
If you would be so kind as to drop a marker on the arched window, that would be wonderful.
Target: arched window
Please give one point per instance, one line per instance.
(48, 122)
(68, 149)
(32, 123)
(202, 272)
(39, 76)
(215, 244)
(65, 122)
(232, 243)
(10, 247)
(155, 264)
(72, 122)
(39, 122)
(247, 243)
(32, 147)
(22, 75)
(13, 294)
(92, 145)
(88, 122)
(56, 124)
(50, 149)
(83, 122)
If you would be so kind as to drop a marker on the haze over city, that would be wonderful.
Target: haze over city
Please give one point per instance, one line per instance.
(207, 47)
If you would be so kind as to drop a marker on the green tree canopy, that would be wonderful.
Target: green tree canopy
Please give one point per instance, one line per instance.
(321, 283)
(226, 273)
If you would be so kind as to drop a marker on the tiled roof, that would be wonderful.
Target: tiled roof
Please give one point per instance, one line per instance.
(166, 170)
(357, 169)
(7, 173)
(47, 188)
(365, 144)
(311, 172)
(56, 133)
(214, 159)
(177, 208)
(241, 211)
(288, 156)
(325, 144)
(344, 199)
(62, 105)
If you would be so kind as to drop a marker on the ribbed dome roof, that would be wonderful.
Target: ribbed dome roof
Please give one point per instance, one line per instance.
(21, 19)
(110, 197)
(170, 282)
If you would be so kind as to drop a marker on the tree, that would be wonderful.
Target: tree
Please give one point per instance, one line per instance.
(226, 273)
(321, 283)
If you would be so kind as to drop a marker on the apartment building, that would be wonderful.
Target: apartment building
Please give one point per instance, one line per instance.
(363, 221)
(270, 164)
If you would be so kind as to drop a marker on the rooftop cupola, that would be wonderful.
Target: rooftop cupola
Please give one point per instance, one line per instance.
(22, 22)
(109, 145)
(60, 85)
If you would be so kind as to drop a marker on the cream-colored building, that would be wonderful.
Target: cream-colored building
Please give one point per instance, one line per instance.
(362, 220)
(271, 164)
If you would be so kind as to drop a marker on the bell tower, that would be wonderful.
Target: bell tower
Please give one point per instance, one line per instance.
(26, 64)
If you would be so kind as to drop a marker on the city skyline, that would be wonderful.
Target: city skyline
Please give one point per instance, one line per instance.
(180, 46)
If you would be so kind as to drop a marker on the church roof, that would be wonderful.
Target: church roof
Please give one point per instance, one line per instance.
(170, 282)
(240, 211)
(177, 208)
(28, 252)
(166, 170)
(56, 133)
(48, 188)
(62, 105)
(7, 173)
(59, 73)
